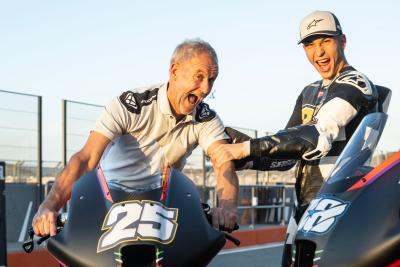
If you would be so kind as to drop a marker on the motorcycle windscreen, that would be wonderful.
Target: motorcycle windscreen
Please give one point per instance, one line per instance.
(355, 159)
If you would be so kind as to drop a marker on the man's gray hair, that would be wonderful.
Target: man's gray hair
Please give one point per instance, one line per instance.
(192, 47)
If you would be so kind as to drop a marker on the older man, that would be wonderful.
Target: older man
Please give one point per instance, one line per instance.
(146, 129)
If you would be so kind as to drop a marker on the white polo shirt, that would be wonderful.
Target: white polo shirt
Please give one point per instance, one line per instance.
(146, 138)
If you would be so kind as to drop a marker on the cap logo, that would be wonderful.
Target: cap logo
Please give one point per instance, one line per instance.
(314, 23)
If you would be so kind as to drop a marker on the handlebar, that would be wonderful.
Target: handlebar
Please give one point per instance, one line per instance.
(29, 244)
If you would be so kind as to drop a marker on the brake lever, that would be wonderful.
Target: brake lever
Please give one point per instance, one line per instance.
(28, 245)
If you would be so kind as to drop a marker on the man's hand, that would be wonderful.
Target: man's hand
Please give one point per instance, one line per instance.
(44, 221)
(225, 216)
(229, 152)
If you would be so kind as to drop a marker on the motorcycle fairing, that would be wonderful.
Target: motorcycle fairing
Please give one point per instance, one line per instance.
(368, 233)
(377, 172)
(76, 244)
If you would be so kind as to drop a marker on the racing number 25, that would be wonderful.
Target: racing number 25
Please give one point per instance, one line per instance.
(138, 221)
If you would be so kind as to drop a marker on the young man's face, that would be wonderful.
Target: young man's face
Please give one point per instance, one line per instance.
(326, 54)
(190, 82)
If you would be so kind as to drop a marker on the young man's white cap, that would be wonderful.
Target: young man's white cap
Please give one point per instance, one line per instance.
(319, 23)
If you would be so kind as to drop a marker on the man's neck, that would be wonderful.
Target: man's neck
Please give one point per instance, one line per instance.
(327, 82)
(170, 97)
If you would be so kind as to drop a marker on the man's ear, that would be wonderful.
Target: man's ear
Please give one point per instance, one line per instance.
(173, 68)
(343, 41)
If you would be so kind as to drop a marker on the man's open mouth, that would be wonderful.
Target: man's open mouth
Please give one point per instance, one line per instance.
(192, 99)
(323, 64)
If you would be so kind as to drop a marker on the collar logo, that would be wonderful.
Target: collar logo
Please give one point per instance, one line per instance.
(204, 113)
(314, 23)
(130, 100)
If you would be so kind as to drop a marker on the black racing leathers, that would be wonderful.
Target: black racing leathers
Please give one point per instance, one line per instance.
(292, 143)
(256, 162)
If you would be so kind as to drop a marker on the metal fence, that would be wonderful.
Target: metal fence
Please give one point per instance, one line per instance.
(21, 150)
(21, 130)
(28, 178)
(78, 120)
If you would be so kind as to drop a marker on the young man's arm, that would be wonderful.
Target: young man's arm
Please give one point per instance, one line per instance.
(227, 189)
(44, 221)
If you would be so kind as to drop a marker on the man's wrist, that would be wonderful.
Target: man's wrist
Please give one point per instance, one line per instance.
(246, 148)
(228, 204)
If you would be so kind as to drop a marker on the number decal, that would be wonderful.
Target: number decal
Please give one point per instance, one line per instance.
(138, 220)
(322, 214)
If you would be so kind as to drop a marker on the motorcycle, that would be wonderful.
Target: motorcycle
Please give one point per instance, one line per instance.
(108, 226)
(354, 220)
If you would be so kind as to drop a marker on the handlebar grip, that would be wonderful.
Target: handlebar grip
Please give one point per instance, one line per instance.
(42, 239)
(235, 227)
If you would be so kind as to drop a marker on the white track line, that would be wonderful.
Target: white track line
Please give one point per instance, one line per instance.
(22, 234)
(250, 248)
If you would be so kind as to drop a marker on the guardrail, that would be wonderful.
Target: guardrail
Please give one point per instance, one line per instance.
(270, 204)
(259, 204)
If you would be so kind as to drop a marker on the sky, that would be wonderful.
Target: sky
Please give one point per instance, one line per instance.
(91, 51)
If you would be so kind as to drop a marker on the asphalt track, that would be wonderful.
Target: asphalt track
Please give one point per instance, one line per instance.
(268, 255)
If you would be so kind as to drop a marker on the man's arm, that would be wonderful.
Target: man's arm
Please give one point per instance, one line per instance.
(227, 189)
(44, 221)
(256, 163)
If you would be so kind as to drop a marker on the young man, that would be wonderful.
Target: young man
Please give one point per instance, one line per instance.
(324, 118)
(143, 131)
